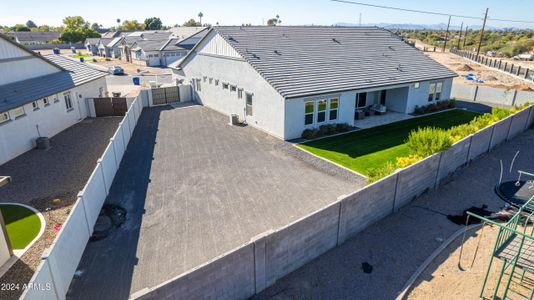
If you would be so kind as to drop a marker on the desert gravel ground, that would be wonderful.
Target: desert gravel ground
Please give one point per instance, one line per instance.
(41, 176)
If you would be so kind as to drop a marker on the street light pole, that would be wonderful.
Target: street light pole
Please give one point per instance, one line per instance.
(482, 31)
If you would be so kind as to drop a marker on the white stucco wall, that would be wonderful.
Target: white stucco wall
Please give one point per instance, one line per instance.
(5, 253)
(268, 105)
(419, 96)
(18, 135)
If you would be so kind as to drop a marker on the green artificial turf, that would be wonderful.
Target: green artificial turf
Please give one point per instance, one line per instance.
(372, 148)
(22, 224)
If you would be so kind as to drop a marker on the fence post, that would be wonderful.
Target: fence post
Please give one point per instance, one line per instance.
(518, 70)
(512, 69)
(436, 181)
(526, 73)
(491, 138)
(514, 97)
(476, 93)
(81, 198)
(505, 65)
(528, 117)
(500, 63)
(51, 274)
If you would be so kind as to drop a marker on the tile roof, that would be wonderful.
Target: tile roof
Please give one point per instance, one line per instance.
(22, 92)
(310, 60)
(39, 36)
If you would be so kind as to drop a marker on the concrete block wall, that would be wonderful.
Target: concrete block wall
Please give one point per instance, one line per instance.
(519, 123)
(230, 276)
(366, 206)
(453, 158)
(500, 132)
(298, 243)
(416, 179)
(480, 142)
(59, 262)
(490, 95)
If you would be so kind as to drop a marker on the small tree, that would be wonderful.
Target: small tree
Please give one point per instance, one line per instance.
(191, 23)
(30, 24)
(274, 21)
(200, 15)
(20, 27)
(153, 23)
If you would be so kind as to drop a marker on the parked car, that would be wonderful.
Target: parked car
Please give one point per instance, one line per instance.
(116, 70)
(524, 56)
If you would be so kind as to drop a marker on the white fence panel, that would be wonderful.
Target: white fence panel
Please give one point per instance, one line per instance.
(132, 120)
(118, 143)
(94, 195)
(126, 130)
(67, 250)
(109, 166)
(42, 278)
(523, 97)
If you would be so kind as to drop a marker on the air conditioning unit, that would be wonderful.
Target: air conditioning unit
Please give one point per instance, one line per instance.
(42, 143)
(234, 119)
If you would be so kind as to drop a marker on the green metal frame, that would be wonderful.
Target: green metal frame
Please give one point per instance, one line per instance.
(507, 232)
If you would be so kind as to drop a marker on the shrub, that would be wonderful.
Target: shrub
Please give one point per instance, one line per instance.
(427, 141)
(434, 107)
(324, 130)
(310, 133)
(457, 133)
(500, 113)
(375, 174)
(404, 161)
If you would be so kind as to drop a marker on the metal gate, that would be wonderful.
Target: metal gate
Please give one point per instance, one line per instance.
(105, 107)
(165, 95)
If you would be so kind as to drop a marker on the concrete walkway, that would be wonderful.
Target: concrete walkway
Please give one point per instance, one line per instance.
(397, 245)
(195, 187)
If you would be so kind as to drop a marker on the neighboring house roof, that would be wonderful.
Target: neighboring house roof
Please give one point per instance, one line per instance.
(36, 36)
(183, 32)
(174, 45)
(114, 34)
(149, 45)
(114, 42)
(23, 48)
(18, 93)
(311, 60)
(92, 41)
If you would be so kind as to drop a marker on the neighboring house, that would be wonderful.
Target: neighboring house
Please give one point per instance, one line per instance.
(284, 79)
(41, 96)
(114, 34)
(34, 37)
(97, 46)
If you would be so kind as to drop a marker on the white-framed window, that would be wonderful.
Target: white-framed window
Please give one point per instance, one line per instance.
(334, 104)
(205, 78)
(68, 101)
(239, 93)
(17, 112)
(46, 102)
(35, 105)
(233, 88)
(211, 80)
(321, 110)
(216, 82)
(309, 107)
(439, 87)
(225, 86)
(198, 86)
(4, 117)
(431, 92)
(416, 85)
(56, 99)
(156, 55)
(100, 92)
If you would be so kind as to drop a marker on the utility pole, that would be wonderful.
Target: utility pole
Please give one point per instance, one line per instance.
(447, 35)
(482, 31)
(460, 38)
(465, 35)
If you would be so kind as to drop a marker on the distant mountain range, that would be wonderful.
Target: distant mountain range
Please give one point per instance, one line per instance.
(440, 26)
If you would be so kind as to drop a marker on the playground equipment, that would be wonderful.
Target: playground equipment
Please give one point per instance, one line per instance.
(514, 248)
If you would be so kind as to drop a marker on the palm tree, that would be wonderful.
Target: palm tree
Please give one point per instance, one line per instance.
(200, 15)
(118, 23)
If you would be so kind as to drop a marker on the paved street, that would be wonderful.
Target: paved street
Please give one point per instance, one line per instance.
(397, 245)
(194, 188)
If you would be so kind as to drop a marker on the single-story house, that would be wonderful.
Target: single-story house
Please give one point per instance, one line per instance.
(35, 37)
(285, 79)
(41, 96)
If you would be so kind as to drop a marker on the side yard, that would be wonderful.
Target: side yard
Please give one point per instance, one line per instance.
(49, 181)
(372, 148)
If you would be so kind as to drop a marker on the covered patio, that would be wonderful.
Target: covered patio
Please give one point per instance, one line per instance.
(377, 120)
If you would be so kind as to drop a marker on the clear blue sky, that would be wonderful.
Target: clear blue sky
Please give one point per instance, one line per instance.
(236, 12)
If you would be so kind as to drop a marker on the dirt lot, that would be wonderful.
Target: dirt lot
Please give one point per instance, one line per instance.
(491, 77)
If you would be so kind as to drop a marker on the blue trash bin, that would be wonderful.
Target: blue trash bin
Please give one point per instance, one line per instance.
(81, 59)
(136, 81)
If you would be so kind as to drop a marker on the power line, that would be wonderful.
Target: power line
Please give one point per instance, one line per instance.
(429, 12)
